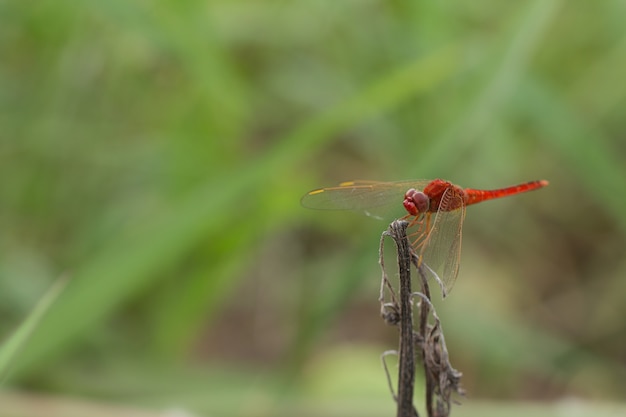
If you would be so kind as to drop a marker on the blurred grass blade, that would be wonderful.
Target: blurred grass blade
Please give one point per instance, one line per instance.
(584, 147)
(11, 346)
(517, 53)
(402, 84)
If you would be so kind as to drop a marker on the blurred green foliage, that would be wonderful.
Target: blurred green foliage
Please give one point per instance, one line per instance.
(155, 153)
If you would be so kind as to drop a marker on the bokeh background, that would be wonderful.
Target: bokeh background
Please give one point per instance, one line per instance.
(153, 154)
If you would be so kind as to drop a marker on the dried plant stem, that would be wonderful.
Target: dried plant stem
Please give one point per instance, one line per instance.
(421, 337)
(406, 377)
(441, 379)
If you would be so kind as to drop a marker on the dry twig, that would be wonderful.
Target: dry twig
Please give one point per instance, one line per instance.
(441, 378)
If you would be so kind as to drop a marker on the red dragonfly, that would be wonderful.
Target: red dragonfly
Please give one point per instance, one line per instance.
(435, 210)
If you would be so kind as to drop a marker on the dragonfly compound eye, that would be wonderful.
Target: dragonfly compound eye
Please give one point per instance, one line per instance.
(415, 202)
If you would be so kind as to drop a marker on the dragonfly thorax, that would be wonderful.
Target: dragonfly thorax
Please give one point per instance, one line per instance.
(416, 202)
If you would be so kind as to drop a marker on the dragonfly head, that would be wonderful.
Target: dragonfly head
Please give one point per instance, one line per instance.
(415, 202)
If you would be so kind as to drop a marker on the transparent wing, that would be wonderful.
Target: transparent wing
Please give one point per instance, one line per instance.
(375, 198)
(441, 251)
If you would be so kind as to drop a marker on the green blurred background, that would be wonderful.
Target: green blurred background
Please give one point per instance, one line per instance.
(154, 154)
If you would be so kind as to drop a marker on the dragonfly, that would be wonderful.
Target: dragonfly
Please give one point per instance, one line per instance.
(435, 210)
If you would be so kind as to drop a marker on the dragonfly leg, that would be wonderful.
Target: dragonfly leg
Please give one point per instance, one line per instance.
(419, 238)
(416, 237)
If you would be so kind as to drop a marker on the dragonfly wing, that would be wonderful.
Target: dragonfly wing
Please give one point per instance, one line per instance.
(441, 251)
(374, 198)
